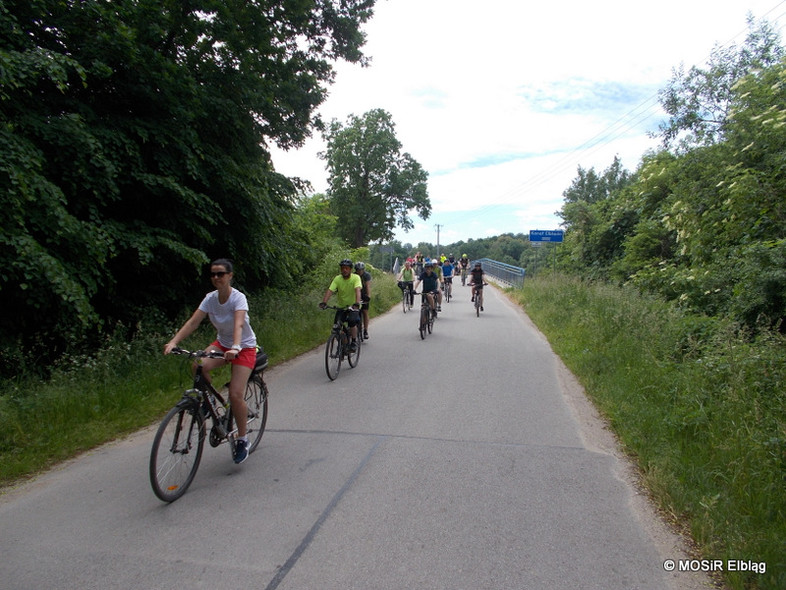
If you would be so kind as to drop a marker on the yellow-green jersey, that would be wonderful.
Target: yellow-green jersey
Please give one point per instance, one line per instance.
(345, 289)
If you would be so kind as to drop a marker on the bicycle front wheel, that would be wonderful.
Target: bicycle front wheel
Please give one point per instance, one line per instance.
(333, 354)
(177, 450)
(256, 401)
(423, 322)
(404, 299)
(354, 357)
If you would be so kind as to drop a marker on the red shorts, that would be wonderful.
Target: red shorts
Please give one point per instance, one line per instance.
(247, 357)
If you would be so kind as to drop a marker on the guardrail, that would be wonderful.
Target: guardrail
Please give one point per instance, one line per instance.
(504, 273)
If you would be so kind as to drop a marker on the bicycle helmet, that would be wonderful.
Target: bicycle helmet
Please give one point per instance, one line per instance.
(346, 262)
(477, 265)
(360, 266)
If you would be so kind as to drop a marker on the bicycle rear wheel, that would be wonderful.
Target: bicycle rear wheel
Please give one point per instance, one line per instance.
(176, 453)
(256, 400)
(333, 354)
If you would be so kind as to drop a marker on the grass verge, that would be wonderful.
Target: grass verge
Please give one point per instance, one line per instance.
(701, 406)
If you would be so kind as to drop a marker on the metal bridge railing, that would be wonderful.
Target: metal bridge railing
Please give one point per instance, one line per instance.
(504, 273)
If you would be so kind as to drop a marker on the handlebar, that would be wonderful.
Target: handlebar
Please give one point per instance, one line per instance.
(213, 354)
(351, 307)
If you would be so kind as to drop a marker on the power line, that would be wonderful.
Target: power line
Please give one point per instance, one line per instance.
(646, 109)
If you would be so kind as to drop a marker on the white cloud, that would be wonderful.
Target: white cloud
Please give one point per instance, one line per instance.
(501, 101)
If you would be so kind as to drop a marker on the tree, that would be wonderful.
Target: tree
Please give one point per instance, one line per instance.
(698, 101)
(373, 186)
(132, 147)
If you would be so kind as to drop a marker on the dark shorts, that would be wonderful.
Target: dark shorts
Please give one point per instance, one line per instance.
(351, 317)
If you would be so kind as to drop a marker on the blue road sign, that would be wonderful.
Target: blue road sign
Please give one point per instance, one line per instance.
(546, 235)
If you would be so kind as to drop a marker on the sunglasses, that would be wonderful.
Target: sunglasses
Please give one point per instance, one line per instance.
(218, 274)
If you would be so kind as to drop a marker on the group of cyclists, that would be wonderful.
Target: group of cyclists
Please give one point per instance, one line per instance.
(227, 309)
(353, 289)
(437, 274)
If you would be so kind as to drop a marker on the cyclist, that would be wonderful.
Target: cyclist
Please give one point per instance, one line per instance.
(447, 273)
(477, 279)
(347, 287)
(430, 285)
(406, 278)
(419, 260)
(227, 309)
(365, 294)
(464, 263)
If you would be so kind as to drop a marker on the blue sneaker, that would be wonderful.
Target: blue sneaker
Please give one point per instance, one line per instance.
(241, 451)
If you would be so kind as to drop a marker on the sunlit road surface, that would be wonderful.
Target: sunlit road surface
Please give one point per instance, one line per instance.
(468, 460)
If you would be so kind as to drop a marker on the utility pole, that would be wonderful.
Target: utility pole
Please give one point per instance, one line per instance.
(437, 226)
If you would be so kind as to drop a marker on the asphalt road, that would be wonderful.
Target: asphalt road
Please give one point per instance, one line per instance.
(469, 460)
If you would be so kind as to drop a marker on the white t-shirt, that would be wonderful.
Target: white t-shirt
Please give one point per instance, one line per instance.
(223, 318)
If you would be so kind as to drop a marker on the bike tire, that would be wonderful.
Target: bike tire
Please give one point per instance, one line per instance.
(478, 302)
(333, 355)
(430, 324)
(354, 357)
(256, 400)
(423, 323)
(404, 300)
(176, 453)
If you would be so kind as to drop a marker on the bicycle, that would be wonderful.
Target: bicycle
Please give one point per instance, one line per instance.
(337, 346)
(478, 297)
(427, 316)
(406, 301)
(447, 289)
(180, 439)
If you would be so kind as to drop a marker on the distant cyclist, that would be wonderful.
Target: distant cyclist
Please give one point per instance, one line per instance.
(447, 273)
(365, 294)
(406, 278)
(463, 266)
(477, 279)
(347, 287)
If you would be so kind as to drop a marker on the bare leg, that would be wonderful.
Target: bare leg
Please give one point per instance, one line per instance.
(237, 390)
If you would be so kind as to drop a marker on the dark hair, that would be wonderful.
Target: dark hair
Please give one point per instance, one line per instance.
(225, 262)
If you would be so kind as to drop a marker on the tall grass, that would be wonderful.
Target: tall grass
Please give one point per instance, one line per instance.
(125, 386)
(701, 405)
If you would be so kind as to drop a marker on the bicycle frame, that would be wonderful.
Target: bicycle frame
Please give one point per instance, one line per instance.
(204, 395)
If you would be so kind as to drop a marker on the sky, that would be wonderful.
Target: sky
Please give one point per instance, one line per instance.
(501, 101)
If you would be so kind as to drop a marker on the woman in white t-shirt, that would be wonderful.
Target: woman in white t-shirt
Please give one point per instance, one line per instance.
(227, 309)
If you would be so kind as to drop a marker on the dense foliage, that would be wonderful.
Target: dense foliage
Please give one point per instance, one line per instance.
(706, 226)
(133, 150)
(373, 185)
